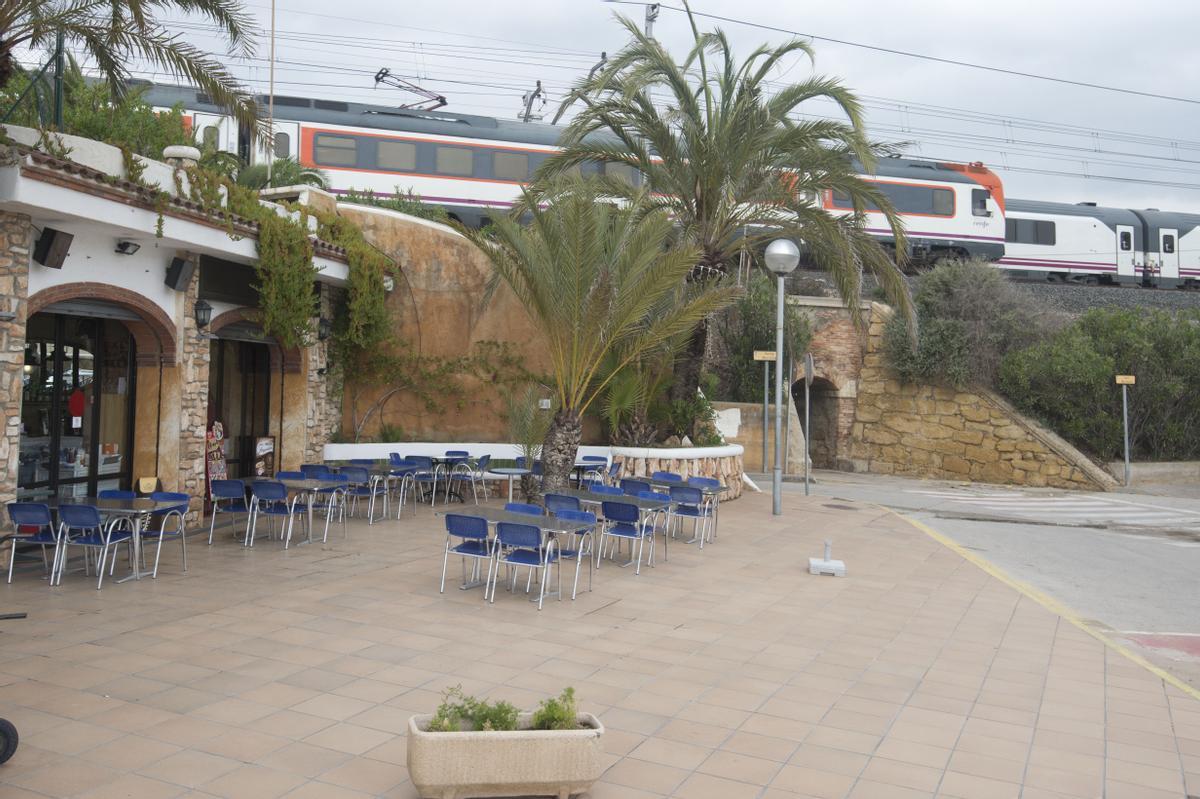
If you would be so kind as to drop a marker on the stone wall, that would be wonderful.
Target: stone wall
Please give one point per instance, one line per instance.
(324, 389)
(194, 356)
(932, 431)
(15, 241)
(726, 468)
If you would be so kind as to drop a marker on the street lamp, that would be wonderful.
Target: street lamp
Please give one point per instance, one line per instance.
(782, 256)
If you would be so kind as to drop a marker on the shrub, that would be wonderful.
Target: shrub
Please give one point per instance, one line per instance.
(406, 202)
(557, 713)
(970, 316)
(749, 325)
(461, 712)
(688, 417)
(1068, 382)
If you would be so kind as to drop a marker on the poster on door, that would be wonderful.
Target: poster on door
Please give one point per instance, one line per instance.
(214, 454)
(264, 457)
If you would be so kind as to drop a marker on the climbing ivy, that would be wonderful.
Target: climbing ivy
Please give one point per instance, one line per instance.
(285, 280)
(366, 324)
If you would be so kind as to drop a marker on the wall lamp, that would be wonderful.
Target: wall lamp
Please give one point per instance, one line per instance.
(203, 313)
(125, 247)
(324, 329)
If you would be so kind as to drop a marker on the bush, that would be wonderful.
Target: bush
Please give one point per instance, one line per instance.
(969, 317)
(749, 325)
(406, 202)
(1068, 382)
(461, 712)
(557, 713)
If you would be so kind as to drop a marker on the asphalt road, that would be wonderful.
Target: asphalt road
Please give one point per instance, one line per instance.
(1127, 563)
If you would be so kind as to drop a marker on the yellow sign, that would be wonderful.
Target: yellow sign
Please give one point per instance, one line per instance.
(764, 355)
(1126, 380)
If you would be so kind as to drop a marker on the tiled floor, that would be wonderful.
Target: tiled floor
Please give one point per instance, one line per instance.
(721, 674)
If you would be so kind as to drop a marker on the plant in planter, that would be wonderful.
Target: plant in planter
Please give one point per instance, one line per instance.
(472, 747)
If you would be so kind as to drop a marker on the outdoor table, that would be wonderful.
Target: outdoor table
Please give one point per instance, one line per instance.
(645, 506)
(137, 510)
(713, 493)
(510, 472)
(308, 488)
(549, 525)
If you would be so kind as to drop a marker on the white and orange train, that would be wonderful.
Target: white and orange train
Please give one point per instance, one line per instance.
(474, 166)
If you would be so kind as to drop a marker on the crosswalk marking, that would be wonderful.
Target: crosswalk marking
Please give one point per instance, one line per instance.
(1068, 508)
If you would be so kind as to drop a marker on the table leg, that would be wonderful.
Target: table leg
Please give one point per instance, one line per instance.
(137, 549)
(310, 496)
(510, 482)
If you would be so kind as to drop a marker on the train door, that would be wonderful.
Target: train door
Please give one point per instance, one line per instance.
(214, 131)
(1168, 252)
(1126, 255)
(285, 143)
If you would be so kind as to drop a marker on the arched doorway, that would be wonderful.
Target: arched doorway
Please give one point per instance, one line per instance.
(823, 421)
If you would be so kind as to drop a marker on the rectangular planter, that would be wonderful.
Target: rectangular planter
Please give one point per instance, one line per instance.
(521, 762)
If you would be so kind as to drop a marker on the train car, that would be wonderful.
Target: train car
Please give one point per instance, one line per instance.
(949, 210)
(475, 165)
(1088, 243)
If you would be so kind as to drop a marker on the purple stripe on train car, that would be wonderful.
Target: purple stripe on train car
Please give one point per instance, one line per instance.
(955, 236)
(1048, 262)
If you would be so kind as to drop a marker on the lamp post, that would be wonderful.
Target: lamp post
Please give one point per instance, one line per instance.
(782, 256)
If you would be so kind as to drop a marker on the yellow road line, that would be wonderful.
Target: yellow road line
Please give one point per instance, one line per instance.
(1049, 603)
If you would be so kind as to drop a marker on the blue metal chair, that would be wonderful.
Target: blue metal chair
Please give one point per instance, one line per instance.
(711, 498)
(32, 525)
(334, 497)
(614, 491)
(523, 507)
(556, 502)
(82, 526)
(671, 476)
(361, 483)
(594, 467)
(582, 545)
(269, 498)
(663, 514)
(520, 545)
(689, 503)
(623, 522)
(291, 475)
(614, 473)
(398, 469)
(535, 469)
(633, 487)
(473, 542)
(315, 471)
(116, 493)
(476, 475)
(175, 512)
(228, 496)
(424, 476)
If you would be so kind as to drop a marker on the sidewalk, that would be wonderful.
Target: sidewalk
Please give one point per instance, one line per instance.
(727, 673)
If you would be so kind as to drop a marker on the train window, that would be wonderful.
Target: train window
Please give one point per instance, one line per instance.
(510, 166)
(1044, 233)
(210, 135)
(1126, 241)
(943, 202)
(398, 155)
(455, 160)
(622, 172)
(335, 150)
(979, 198)
(283, 145)
(1168, 244)
(1029, 231)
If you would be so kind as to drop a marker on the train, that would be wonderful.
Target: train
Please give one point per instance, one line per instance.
(474, 167)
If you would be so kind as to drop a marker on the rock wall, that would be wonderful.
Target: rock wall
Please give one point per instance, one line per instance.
(728, 469)
(15, 239)
(932, 431)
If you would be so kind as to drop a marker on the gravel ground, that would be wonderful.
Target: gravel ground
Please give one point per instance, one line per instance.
(1070, 298)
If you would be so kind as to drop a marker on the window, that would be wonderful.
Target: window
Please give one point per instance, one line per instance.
(1168, 244)
(1030, 231)
(1126, 241)
(283, 145)
(398, 155)
(908, 199)
(335, 150)
(211, 136)
(510, 166)
(455, 160)
(622, 172)
(979, 201)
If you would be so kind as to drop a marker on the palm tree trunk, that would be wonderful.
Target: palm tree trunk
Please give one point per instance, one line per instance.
(688, 363)
(559, 449)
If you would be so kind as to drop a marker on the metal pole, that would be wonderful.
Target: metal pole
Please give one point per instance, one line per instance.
(1125, 411)
(271, 103)
(777, 476)
(59, 70)
(787, 413)
(807, 427)
(766, 411)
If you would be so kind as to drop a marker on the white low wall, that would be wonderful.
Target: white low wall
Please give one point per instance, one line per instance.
(343, 452)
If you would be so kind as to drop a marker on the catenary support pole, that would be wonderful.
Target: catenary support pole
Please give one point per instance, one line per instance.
(1125, 415)
(766, 459)
(777, 475)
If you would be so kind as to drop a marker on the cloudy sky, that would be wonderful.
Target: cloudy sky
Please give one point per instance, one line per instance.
(1048, 140)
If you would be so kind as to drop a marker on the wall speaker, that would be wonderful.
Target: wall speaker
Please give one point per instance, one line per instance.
(179, 273)
(51, 248)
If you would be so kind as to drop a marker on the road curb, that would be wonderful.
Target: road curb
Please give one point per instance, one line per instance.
(1049, 603)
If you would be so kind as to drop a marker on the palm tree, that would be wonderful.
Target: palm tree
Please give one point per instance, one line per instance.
(284, 172)
(731, 163)
(593, 277)
(110, 34)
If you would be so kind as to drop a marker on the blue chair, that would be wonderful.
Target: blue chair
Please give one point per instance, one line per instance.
(315, 471)
(32, 525)
(582, 545)
(711, 498)
(269, 498)
(399, 468)
(614, 491)
(669, 476)
(82, 526)
(623, 522)
(361, 483)
(593, 468)
(663, 514)
(632, 487)
(690, 504)
(334, 496)
(176, 513)
(520, 545)
(115, 493)
(291, 476)
(368, 462)
(523, 507)
(472, 535)
(556, 502)
(464, 472)
(228, 496)
(614, 473)
(424, 476)
(535, 469)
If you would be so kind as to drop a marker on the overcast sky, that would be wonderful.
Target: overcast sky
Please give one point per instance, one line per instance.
(482, 54)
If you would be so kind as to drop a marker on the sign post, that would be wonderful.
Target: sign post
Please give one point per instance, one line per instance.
(766, 356)
(1125, 381)
(809, 368)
